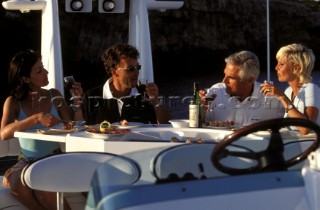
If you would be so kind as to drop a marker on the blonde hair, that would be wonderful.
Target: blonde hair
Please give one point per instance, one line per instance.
(299, 54)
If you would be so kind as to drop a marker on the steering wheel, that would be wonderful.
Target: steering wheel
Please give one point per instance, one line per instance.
(272, 158)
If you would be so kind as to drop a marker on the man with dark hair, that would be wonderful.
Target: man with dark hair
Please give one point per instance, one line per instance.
(120, 98)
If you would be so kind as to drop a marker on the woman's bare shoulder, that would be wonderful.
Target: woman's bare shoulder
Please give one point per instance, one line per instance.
(11, 103)
(11, 100)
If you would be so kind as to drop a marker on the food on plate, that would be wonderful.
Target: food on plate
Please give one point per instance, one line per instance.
(199, 140)
(105, 126)
(174, 139)
(226, 123)
(112, 130)
(188, 141)
(69, 125)
(124, 123)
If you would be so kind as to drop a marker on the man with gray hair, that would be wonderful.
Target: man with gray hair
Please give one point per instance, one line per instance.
(237, 99)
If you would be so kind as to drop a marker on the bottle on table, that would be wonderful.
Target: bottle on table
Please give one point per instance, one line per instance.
(195, 119)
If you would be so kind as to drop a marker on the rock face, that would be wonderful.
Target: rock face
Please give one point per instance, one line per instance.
(200, 34)
(193, 40)
(199, 25)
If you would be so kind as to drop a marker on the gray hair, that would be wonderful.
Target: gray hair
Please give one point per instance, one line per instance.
(300, 55)
(247, 62)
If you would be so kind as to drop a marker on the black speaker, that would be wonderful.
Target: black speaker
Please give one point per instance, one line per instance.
(78, 5)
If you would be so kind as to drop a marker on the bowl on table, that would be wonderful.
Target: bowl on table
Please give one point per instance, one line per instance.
(180, 123)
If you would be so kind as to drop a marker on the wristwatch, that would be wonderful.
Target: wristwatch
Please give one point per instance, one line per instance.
(289, 107)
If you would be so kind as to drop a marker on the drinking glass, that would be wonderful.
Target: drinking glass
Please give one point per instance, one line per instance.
(210, 96)
(266, 102)
(68, 82)
(142, 89)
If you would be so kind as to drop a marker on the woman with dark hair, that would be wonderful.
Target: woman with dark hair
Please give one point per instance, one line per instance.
(30, 106)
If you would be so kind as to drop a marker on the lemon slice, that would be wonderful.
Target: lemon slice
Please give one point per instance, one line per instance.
(105, 126)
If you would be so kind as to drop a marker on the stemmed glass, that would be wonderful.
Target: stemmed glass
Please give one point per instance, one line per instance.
(209, 98)
(68, 82)
(142, 89)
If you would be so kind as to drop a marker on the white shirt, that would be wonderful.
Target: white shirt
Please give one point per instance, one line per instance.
(107, 94)
(309, 95)
(253, 109)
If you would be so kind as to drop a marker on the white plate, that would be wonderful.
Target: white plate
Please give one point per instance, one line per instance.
(56, 131)
(104, 135)
(262, 133)
(183, 123)
(130, 125)
(60, 127)
(220, 127)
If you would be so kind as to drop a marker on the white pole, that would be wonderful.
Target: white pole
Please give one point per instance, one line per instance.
(268, 42)
(139, 36)
(51, 46)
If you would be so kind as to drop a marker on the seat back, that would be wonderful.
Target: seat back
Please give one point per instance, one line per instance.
(184, 162)
(112, 175)
(118, 171)
(71, 172)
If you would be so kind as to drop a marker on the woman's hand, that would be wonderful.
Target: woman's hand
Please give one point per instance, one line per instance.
(269, 89)
(76, 91)
(47, 119)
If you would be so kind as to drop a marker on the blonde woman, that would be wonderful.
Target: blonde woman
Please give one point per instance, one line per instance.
(301, 98)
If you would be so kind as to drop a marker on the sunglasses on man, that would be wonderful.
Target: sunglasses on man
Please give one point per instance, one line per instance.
(132, 68)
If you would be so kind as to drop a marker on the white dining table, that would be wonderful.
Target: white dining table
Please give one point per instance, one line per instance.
(140, 138)
(32, 134)
(147, 137)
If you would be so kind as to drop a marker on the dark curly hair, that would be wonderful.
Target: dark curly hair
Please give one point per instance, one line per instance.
(111, 57)
(20, 66)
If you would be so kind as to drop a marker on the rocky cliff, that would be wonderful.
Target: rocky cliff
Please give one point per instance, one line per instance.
(197, 36)
(193, 40)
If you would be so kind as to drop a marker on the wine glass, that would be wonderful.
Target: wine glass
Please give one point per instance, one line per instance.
(68, 82)
(142, 84)
(209, 98)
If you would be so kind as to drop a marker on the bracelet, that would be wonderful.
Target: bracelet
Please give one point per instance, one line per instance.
(75, 108)
(157, 104)
(289, 107)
